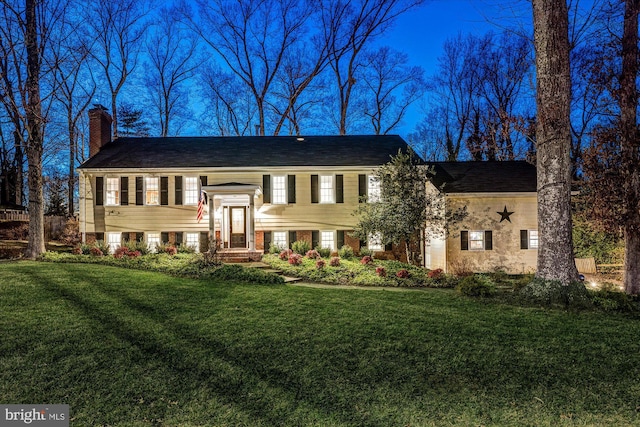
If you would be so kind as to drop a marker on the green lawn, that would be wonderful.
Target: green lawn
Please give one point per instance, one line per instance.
(133, 348)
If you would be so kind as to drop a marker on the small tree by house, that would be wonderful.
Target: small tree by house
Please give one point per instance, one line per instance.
(405, 206)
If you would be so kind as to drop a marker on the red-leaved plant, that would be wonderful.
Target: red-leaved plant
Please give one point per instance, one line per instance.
(380, 271)
(403, 274)
(295, 259)
(320, 264)
(284, 255)
(366, 260)
(335, 262)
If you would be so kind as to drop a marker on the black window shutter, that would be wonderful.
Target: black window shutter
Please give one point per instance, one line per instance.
(124, 190)
(340, 238)
(363, 243)
(464, 240)
(315, 238)
(339, 188)
(293, 236)
(362, 187)
(204, 241)
(164, 190)
(139, 198)
(488, 240)
(178, 237)
(266, 188)
(99, 191)
(314, 189)
(178, 185)
(291, 190)
(204, 180)
(388, 247)
(139, 237)
(524, 239)
(267, 241)
(100, 237)
(164, 237)
(124, 238)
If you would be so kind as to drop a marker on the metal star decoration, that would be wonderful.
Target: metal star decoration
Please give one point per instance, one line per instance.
(505, 214)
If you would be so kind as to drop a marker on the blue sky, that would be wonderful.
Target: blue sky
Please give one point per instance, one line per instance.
(422, 32)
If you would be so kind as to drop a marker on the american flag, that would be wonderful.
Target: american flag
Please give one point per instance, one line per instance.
(201, 204)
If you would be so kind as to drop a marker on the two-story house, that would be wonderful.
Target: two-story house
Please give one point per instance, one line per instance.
(251, 192)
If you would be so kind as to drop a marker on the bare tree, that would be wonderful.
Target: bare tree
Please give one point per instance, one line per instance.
(350, 26)
(553, 134)
(171, 51)
(252, 38)
(392, 85)
(118, 27)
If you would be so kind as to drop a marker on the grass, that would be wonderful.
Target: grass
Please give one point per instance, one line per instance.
(137, 348)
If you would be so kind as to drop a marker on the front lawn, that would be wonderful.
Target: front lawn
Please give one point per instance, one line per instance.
(136, 348)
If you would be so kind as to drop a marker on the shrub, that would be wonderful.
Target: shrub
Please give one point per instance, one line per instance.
(380, 271)
(313, 254)
(120, 252)
(96, 251)
(103, 246)
(275, 249)
(436, 274)
(186, 249)
(462, 267)
(295, 259)
(613, 300)
(77, 250)
(237, 273)
(366, 260)
(284, 255)
(553, 293)
(476, 286)
(346, 252)
(137, 245)
(365, 251)
(403, 274)
(335, 262)
(320, 264)
(301, 247)
(71, 233)
(324, 252)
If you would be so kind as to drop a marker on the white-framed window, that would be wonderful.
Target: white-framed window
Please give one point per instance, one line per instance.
(279, 189)
(113, 191)
(191, 190)
(279, 239)
(373, 189)
(153, 240)
(533, 239)
(374, 242)
(192, 240)
(327, 240)
(327, 189)
(476, 240)
(152, 190)
(114, 241)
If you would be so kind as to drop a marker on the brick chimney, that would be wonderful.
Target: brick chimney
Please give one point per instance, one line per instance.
(99, 128)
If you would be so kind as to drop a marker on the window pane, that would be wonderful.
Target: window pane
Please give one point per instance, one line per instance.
(326, 189)
(326, 240)
(191, 190)
(113, 191)
(193, 240)
(279, 190)
(280, 239)
(153, 240)
(373, 189)
(533, 239)
(151, 188)
(476, 240)
(375, 242)
(113, 239)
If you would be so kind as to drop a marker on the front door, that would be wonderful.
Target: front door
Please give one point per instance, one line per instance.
(238, 227)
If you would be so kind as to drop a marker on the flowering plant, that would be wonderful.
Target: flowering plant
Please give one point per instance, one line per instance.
(380, 271)
(403, 274)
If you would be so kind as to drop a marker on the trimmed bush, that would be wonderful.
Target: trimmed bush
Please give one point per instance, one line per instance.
(436, 274)
(96, 251)
(553, 293)
(346, 252)
(324, 252)
(320, 264)
(365, 251)
(335, 262)
(295, 259)
(366, 260)
(477, 286)
(313, 254)
(301, 247)
(284, 255)
(403, 274)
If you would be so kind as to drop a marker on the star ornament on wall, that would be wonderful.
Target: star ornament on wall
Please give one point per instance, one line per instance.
(505, 214)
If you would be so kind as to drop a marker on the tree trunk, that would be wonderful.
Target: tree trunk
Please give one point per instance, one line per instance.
(35, 245)
(553, 98)
(630, 145)
(72, 170)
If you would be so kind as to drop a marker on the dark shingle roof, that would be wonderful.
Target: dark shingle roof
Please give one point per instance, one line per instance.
(247, 151)
(485, 177)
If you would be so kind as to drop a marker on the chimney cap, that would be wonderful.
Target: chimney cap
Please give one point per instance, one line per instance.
(100, 107)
